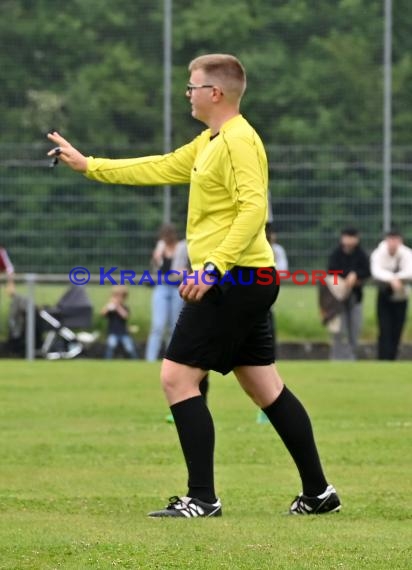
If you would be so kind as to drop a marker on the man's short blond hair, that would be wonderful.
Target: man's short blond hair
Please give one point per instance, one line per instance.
(223, 69)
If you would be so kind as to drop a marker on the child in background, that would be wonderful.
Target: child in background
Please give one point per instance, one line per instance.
(117, 314)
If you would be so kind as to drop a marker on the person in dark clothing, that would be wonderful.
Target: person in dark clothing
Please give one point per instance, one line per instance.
(117, 314)
(350, 258)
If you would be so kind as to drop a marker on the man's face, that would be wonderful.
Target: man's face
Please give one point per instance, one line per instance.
(393, 243)
(200, 99)
(349, 243)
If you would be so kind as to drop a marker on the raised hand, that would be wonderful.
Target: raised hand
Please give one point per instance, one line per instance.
(67, 153)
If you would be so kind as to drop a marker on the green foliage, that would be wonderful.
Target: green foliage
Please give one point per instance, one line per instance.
(93, 70)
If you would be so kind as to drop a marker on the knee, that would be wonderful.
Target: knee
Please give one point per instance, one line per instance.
(179, 382)
(168, 379)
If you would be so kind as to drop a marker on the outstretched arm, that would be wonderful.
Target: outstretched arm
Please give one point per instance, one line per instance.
(172, 168)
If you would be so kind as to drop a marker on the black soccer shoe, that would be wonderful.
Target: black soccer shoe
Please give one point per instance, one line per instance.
(327, 502)
(187, 507)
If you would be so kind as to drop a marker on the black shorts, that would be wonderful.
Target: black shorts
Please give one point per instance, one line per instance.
(230, 326)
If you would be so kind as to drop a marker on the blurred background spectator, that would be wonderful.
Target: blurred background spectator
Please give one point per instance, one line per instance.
(391, 266)
(352, 260)
(117, 314)
(170, 254)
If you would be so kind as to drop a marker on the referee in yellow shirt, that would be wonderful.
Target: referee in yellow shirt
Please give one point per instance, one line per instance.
(223, 326)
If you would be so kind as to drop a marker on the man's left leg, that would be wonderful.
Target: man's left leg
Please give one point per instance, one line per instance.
(290, 419)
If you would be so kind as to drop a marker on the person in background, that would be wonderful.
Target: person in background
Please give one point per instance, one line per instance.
(17, 309)
(7, 267)
(282, 264)
(391, 266)
(279, 252)
(353, 261)
(117, 314)
(170, 254)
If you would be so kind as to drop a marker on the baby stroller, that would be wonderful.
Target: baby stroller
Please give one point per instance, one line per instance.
(16, 341)
(73, 310)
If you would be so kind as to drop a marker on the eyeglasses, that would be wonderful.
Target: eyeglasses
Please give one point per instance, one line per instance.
(190, 87)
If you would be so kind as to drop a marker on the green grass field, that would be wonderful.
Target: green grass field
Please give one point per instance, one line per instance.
(296, 311)
(85, 453)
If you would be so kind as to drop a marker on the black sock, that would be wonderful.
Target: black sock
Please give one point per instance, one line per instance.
(291, 421)
(196, 432)
(204, 387)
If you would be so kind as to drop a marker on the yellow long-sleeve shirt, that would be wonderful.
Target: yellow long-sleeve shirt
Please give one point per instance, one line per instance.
(228, 177)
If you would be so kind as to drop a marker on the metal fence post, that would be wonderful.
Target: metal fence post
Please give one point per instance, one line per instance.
(387, 117)
(30, 279)
(167, 99)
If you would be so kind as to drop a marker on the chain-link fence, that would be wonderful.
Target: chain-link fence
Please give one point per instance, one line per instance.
(317, 191)
(52, 220)
(99, 72)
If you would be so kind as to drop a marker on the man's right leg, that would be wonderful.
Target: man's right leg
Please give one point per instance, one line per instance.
(196, 433)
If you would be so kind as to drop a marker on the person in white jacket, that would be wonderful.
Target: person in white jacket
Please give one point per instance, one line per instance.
(391, 266)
